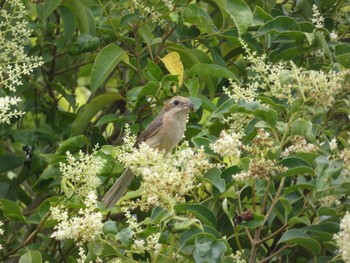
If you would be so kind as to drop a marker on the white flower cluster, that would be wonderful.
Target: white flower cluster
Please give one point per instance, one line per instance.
(317, 18)
(238, 257)
(1, 232)
(14, 62)
(83, 257)
(285, 80)
(342, 238)
(6, 104)
(260, 166)
(318, 86)
(165, 179)
(85, 226)
(147, 12)
(328, 201)
(246, 93)
(299, 144)
(228, 144)
(149, 244)
(81, 174)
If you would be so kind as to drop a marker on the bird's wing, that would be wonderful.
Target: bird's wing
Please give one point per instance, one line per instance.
(150, 131)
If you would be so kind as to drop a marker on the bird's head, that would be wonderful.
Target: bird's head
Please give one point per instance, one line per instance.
(179, 104)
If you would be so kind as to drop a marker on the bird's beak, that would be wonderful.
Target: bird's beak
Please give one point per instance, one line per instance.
(191, 106)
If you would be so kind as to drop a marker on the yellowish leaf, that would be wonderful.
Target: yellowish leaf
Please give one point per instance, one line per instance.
(173, 64)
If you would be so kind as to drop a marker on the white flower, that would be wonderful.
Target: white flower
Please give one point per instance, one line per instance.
(237, 257)
(228, 144)
(342, 238)
(85, 226)
(333, 144)
(82, 173)
(14, 62)
(317, 18)
(299, 145)
(333, 35)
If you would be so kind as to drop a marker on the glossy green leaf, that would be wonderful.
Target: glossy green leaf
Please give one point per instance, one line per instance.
(342, 54)
(150, 89)
(107, 119)
(84, 43)
(68, 24)
(212, 70)
(83, 16)
(323, 231)
(105, 62)
(258, 219)
(201, 212)
(320, 38)
(192, 85)
(9, 162)
(239, 11)
(50, 6)
(208, 250)
(11, 210)
(72, 144)
(268, 115)
(304, 128)
(90, 110)
(213, 176)
(31, 256)
(152, 72)
(110, 227)
(298, 237)
(285, 26)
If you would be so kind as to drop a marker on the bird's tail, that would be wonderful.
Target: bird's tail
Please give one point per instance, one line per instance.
(118, 189)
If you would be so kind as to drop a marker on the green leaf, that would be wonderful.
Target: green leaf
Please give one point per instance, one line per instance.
(152, 72)
(68, 24)
(49, 6)
(298, 237)
(342, 54)
(213, 176)
(212, 70)
(192, 85)
(107, 119)
(9, 162)
(282, 25)
(304, 128)
(239, 11)
(72, 144)
(83, 16)
(257, 221)
(32, 256)
(208, 250)
(191, 14)
(323, 231)
(268, 115)
(204, 214)
(84, 43)
(11, 210)
(150, 89)
(90, 110)
(110, 227)
(320, 38)
(105, 62)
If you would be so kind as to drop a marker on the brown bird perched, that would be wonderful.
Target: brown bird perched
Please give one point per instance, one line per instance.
(163, 133)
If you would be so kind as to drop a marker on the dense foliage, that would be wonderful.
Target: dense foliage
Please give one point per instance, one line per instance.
(263, 173)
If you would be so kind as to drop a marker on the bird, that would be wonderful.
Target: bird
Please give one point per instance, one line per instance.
(163, 133)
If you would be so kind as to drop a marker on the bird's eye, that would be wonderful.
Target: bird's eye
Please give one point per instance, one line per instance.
(176, 102)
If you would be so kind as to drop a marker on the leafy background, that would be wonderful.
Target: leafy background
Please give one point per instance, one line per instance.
(103, 69)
